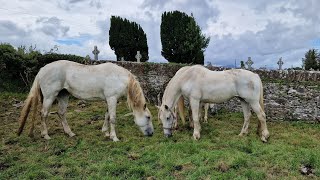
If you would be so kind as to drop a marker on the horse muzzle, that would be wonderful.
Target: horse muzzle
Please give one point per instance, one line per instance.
(149, 132)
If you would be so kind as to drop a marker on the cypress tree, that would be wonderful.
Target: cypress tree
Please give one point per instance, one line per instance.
(126, 38)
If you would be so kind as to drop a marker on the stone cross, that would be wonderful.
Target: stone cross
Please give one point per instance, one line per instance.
(303, 64)
(95, 52)
(280, 63)
(249, 63)
(138, 56)
(122, 59)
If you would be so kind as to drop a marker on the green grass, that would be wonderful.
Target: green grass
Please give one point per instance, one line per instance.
(219, 154)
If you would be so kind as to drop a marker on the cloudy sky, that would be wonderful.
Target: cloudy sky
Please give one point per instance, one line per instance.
(263, 30)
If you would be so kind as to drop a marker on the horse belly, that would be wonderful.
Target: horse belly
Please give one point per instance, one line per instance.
(217, 95)
(88, 89)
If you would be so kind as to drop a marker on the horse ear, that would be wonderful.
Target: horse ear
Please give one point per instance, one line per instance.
(145, 106)
(165, 106)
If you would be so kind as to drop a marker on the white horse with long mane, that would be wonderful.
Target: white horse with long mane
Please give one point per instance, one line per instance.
(106, 81)
(200, 84)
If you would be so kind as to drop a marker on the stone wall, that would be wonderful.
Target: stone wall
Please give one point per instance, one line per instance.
(289, 95)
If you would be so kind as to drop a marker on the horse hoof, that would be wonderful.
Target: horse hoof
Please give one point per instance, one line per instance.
(263, 139)
(196, 136)
(243, 134)
(47, 137)
(71, 134)
(115, 139)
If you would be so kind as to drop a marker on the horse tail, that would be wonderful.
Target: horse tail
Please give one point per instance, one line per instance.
(135, 97)
(261, 96)
(32, 100)
(181, 109)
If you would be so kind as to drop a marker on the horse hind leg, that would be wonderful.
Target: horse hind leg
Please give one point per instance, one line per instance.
(206, 107)
(112, 106)
(194, 103)
(262, 127)
(47, 103)
(63, 104)
(247, 115)
(105, 127)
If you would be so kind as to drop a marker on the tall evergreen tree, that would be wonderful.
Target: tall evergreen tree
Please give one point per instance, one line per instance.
(311, 59)
(126, 38)
(181, 38)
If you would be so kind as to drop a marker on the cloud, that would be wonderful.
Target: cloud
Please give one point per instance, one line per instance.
(9, 29)
(52, 26)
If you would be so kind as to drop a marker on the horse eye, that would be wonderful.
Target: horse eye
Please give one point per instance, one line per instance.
(168, 118)
(148, 117)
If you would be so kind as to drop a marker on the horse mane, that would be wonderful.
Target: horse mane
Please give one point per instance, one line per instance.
(135, 97)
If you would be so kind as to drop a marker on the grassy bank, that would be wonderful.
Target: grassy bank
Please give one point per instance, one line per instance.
(219, 154)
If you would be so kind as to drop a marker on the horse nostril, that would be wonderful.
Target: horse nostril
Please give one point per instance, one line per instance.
(150, 134)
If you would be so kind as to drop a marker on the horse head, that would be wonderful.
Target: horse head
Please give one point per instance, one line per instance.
(142, 118)
(168, 119)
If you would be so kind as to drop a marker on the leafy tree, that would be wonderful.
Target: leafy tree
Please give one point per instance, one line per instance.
(242, 65)
(311, 59)
(126, 38)
(18, 67)
(181, 38)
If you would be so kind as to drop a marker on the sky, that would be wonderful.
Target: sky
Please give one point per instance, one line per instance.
(262, 30)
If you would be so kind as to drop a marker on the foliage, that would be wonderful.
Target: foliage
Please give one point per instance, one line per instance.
(312, 59)
(242, 65)
(219, 154)
(20, 66)
(181, 38)
(126, 38)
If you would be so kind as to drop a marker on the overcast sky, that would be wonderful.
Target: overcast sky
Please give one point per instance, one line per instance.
(263, 30)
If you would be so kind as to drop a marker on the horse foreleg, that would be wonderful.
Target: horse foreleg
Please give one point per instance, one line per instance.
(63, 104)
(247, 115)
(112, 104)
(262, 120)
(105, 127)
(195, 116)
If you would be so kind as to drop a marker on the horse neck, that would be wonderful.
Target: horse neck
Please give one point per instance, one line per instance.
(135, 97)
(171, 94)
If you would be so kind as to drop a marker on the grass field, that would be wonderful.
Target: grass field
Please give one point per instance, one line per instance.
(219, 154)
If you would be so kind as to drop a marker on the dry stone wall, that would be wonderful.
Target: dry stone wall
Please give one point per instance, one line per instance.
(289, 95)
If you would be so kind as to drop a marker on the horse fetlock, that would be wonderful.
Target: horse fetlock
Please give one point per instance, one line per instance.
(104, 129)
(107, 134)
(265, 133)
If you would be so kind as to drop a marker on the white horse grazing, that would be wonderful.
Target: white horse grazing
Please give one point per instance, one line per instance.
(106, 81)
(202, 85)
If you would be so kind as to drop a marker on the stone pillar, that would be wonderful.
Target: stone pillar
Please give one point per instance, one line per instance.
(95, 52)
(280, 63)
(249, 63)
(138, 56)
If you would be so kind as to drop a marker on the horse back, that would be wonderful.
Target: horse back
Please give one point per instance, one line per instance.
(84, 81)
